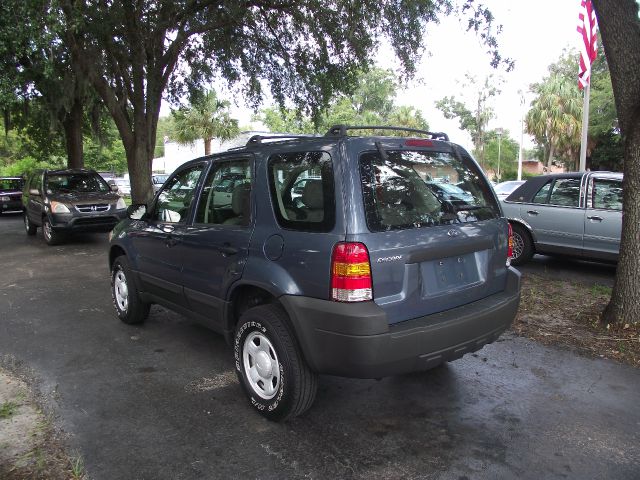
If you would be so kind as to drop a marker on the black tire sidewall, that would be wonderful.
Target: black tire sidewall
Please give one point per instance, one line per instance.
(279, 406)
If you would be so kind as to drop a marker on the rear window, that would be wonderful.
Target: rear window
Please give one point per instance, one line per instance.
(414, 189)
(302, 190)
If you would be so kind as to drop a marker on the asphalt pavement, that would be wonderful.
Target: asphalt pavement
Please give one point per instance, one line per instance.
(161, 401)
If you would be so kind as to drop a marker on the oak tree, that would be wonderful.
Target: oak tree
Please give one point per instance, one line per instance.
(620, 29)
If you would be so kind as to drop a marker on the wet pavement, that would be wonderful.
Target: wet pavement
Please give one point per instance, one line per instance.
(161, 401)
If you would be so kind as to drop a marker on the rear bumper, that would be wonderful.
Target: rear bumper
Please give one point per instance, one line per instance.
(355, 340)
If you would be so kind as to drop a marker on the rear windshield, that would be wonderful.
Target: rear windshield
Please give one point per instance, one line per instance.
(75, 182)
(414, 189)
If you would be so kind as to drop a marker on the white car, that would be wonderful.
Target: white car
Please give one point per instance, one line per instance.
(124, 187)
(504, 189)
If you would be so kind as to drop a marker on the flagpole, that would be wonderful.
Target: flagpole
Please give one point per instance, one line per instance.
(585, 127)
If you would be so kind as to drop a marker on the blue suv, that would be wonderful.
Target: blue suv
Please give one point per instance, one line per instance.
(368, 272)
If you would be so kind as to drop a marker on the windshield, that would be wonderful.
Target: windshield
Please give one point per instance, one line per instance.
(75, 182)
(413, 189)
(10, 184)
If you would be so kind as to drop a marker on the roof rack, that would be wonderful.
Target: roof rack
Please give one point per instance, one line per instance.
(341, 131)
(257, 139)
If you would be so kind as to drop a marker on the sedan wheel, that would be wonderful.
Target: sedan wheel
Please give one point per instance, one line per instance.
(522, 245)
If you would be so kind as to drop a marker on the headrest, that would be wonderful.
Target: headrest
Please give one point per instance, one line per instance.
(240, 199)
(312, 194)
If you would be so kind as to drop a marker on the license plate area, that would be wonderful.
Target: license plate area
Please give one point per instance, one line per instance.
(453, 273)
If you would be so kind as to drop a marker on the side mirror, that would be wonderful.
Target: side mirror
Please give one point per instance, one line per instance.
(114, 188)
(136, 211)
(34, 191)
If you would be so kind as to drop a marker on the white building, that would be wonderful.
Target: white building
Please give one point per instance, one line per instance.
(176, 154)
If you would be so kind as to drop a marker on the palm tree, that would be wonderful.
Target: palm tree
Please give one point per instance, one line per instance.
(555, 118)
(207, 118)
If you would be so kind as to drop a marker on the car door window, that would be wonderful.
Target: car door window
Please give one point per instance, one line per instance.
(175, 198)
(543, 194)
(607, 194)
(565, 192)
(225, 197)
(302, 190)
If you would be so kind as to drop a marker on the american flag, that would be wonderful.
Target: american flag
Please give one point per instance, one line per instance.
(588, 28)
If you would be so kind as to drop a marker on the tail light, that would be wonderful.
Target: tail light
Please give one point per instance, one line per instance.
(350, 273)
(510, 245)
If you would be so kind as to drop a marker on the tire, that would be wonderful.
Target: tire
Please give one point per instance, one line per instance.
(270, 366)
(50, 235)
(522, 245)
(29, 227)
(124, 294)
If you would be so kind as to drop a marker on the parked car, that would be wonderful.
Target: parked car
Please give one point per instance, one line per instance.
(10, 194)
(451, 193)
(504, 189)
(106, 176)
(123, 186)
(157, 180)
(67, 201)
(570, 214)
(367, 274)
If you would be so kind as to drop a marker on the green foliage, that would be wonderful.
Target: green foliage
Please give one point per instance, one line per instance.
(508, 150)
(473, 119)
(208, 117)
(555, 117)
(372, 103)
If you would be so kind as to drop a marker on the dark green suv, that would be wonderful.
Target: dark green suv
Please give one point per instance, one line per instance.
(67, 201)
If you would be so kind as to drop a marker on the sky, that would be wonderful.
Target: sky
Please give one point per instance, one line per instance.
(534, 35)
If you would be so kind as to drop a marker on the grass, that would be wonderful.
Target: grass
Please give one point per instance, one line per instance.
(77, 467)
(597, 290)
(8, 409)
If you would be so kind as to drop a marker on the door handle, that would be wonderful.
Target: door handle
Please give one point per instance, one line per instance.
(171, 241)
(595, 218)
(533, 212)
(226, 249)
(167, 228)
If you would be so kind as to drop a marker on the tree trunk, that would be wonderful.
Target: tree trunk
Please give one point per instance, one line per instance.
(139, 166)
(620, 29)
(207, 146)
(624, 305)
(72, 125)
(551, 158)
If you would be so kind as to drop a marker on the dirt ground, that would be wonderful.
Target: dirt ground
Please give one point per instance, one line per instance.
(565, 314)
(30, 446)
(553, 312)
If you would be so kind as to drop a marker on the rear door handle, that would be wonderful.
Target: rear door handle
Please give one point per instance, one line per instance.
(533, 212)
(171, 241)
(595, 218)
(226, 249)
